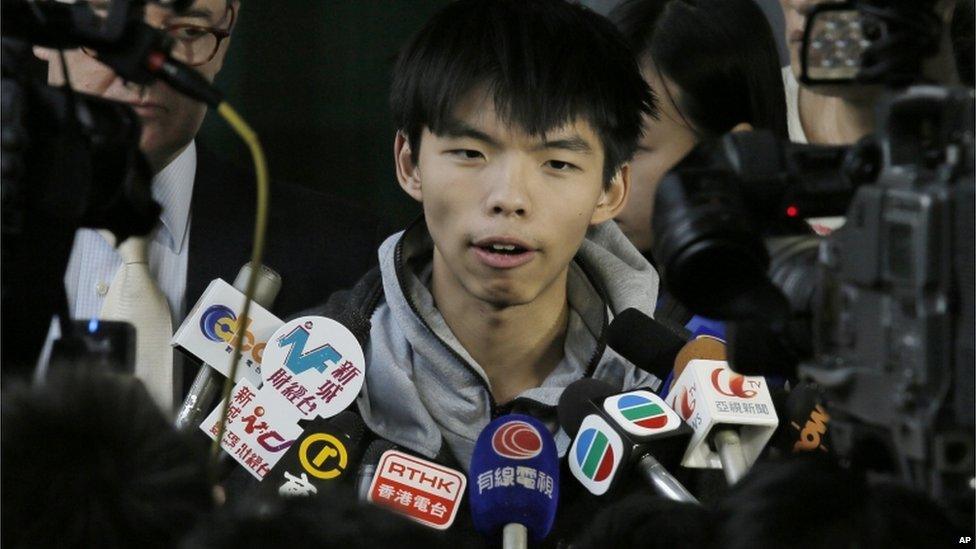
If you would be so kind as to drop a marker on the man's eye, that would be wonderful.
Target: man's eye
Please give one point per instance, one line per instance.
(187, 34)
(466, 154)
(561, 166)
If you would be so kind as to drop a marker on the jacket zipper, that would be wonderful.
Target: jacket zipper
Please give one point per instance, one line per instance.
(496, 410)
(398, 262)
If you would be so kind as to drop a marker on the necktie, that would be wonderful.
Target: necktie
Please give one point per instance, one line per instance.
(135, 298)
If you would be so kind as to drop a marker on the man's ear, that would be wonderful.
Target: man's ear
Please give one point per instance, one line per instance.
(613, 198)
(408, 173)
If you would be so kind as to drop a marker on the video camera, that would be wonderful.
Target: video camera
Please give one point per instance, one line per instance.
(880, 313)
(71, 160)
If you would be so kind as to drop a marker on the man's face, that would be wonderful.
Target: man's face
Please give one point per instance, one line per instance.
(666, 141)
(169, 119)
(507, 211)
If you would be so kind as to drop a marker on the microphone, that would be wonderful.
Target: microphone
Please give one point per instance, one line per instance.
(208, 334)
(321, 457)
(515, 481)
(313, 367)
(704, 347)
(733, 416)
(645, 342)
(635, 428)
(367, 468)
(806, 422)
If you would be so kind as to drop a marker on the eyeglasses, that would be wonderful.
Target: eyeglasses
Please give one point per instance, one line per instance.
(193, 45)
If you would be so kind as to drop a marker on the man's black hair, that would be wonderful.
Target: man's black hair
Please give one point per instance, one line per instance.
(645, 521)
(545, 63)
(90, 461)
(721, 54)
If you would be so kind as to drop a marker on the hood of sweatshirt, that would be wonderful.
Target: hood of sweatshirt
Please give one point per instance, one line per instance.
(425, 392)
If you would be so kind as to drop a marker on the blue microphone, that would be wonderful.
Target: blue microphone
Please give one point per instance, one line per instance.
(514, 481)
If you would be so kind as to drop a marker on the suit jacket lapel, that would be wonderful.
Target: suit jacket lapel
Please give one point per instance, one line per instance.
(221, 223)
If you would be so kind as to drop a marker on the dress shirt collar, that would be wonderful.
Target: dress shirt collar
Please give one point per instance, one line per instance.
(173, 189)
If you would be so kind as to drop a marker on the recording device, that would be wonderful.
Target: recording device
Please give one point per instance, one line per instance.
(320, 458)
(612, 432)
(514, 488)
(733, 416)
(100, 344)
(367, 467)
(880, 313)
(71, 160)
(804, 421)
(212, 324)
(653, 351)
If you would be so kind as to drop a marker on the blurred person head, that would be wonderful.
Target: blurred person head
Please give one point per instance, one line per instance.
(515, 120)
(645, 521)
(713, 66)
(90, 461)
(169, 119)
(263, 520)
(812, 502)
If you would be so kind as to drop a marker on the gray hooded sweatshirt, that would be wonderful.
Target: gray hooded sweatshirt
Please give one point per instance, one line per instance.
(424, 390)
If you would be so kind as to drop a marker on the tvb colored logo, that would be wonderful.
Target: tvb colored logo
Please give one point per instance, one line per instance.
(596, 454)
(641, 413)
(219, 323)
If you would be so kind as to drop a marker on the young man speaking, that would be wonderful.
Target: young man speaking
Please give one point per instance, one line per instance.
(516, 119)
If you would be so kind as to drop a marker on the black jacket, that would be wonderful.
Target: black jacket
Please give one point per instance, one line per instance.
(317, 243)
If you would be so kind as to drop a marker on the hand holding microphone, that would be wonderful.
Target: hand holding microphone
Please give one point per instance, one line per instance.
(514, 488)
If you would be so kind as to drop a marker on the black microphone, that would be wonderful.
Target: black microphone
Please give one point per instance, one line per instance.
(320, 457)
(135, 50)
(645, 342)
(805, 424)
(367, 467)
(634, 428)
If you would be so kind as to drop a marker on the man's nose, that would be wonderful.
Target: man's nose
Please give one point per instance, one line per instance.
(508, 193)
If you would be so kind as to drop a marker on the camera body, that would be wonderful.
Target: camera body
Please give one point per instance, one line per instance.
(880, 314)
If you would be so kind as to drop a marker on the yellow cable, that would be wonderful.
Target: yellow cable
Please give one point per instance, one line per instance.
(260, 222)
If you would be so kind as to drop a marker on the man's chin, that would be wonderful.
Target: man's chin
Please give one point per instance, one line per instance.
(502, 296)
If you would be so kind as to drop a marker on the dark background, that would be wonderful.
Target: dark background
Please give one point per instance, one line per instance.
(312, 78)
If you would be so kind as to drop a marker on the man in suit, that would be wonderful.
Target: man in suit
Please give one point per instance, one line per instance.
(206, 225)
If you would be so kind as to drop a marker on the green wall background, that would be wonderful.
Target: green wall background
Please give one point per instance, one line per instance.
(312, 78)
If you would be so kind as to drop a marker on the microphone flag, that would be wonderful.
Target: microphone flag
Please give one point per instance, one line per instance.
(418, 489)
(312, 367)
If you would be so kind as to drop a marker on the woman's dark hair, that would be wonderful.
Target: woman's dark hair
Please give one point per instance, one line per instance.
(721, 54)
(543, 62)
